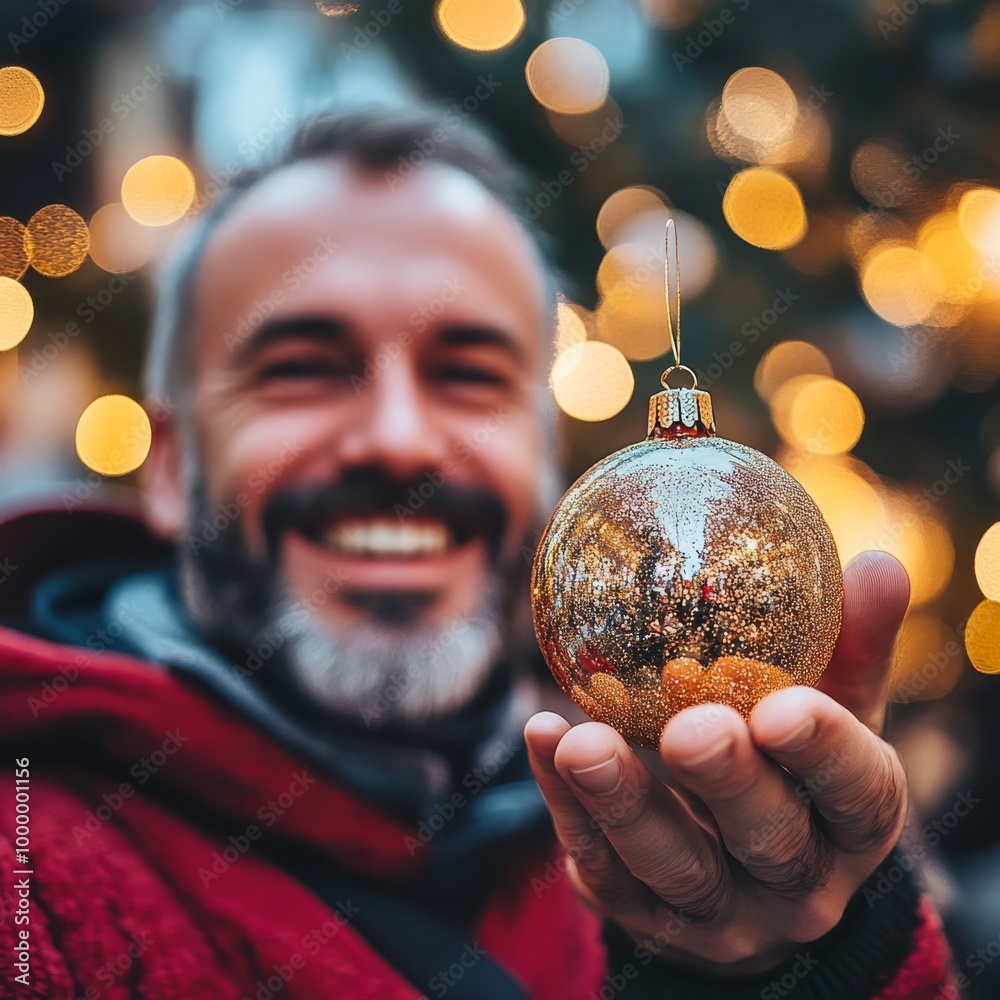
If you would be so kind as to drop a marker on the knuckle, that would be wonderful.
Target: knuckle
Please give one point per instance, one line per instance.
(797, 862)
(697, 889)
(881, 809)
(707, 906)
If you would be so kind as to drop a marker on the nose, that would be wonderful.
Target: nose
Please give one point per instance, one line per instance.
(396, 426)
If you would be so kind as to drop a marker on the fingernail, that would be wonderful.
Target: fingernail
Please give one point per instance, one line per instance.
(599, 779)
(797, 738)
(713, 761)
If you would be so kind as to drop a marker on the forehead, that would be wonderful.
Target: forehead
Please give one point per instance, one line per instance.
(363, 232)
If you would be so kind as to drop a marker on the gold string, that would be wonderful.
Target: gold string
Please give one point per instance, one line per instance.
(673, 326)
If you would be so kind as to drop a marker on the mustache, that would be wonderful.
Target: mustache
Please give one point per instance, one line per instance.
(467, 510)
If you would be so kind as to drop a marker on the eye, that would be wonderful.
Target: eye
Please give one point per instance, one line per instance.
(304, 368)
(465, 374)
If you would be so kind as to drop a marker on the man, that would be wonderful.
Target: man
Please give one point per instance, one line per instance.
(283, 756)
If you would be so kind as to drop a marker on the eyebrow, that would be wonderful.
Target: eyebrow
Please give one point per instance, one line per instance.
(322, 329)
(482, 336)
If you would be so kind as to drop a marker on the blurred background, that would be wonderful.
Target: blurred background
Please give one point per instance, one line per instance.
(833, 169)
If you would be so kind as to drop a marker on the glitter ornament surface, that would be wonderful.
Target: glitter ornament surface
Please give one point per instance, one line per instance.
(682, 570)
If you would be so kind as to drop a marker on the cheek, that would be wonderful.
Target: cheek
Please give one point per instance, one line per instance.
(252, 458)
(510, 460)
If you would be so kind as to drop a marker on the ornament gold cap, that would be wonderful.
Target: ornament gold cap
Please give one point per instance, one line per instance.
(676, 413)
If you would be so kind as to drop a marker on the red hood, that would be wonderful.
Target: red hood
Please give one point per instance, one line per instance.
(36, 542)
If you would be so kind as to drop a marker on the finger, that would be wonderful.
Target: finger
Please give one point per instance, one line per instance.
(876, 593)
(594, 864)
(645, 822)
(766, 826)
(854, 779)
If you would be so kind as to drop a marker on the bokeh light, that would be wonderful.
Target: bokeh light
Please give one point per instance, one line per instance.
(60, 240)
(646, 233)
(786, 360)
(117, 242)
(982, 637)
(979, 219)
(481, 27)
(927, 660)
(758, 105)
(866, 514)
(846, 493)
(758, 119)
(818, 414)
(900, 284)
(987, 563)
(568, 75)
(592, 381)
(622, 209)
(21, 100)
(949, 256)
(16, 313)
(113, 435)
(764, 207)
(631, 314)
(158, 190)
(921, 542)
(878, 171)
(15, 248)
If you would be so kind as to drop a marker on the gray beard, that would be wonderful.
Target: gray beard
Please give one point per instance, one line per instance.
(389, 675)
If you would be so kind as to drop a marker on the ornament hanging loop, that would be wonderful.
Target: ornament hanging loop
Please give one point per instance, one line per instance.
(673, 315)
(665, 377)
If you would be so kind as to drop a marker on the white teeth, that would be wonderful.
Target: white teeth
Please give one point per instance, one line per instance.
(388, 537)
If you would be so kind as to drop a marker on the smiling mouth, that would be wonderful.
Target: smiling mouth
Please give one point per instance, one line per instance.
(375, 536)
(388, 538)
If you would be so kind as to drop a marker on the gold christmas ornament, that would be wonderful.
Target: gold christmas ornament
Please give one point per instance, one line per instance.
(682, 570)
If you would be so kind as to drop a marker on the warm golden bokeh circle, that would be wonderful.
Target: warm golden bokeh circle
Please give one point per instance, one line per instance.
(988, 563)
(568, 75)
(631, 315)
(927, 660)
(765, 208)
(818, 414)
(784, 361)
(624, 207)
(158, 190)
(118, 243)
(113, 435)
(15, 248)
(759, 105)
(16, 313)
(592, 381)
(982, 637)
(979, 219)
(900, 284)
(481, 27)
(21, 100)
(60, 240)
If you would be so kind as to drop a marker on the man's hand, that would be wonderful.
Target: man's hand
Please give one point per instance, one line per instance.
(773, 825)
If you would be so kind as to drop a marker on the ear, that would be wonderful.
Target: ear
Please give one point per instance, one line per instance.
(163, 481)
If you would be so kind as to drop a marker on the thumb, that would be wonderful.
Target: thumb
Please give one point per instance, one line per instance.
(876, 594)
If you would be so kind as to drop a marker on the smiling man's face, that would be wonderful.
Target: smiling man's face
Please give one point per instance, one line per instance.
(367, 368)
